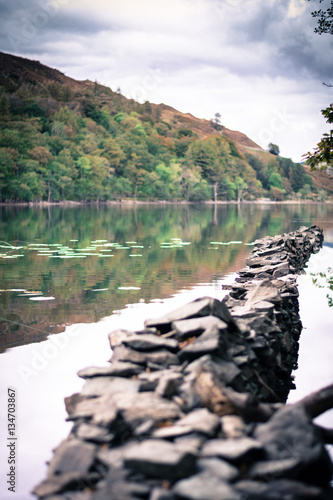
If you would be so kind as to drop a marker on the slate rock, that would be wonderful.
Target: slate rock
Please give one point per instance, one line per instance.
(113, 458)
(72, 455)
(161, 357)
(195, 326)
(149, 379)
(117, 337)
(205, 486)
(200, 421)
(72, 401)
(282, 489)
(263, 292)
(168, 384)
(219, 468)
(94, 433)
(191, 442)
(226, 371)
(117, 369)
(159, 458)
(208, 342)
(149, 342)
(233, 450)
(85, 408)
(261, 324)
(290, 434)
(282, 270)
(161, 494)
(67, 481)
(72, 495)
(200, 307)
(135, 408)
(117, 486)
(274, 469)
(99, 386)
(232, 426)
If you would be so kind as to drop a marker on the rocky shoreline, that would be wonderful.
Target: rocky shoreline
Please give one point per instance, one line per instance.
(193, 406)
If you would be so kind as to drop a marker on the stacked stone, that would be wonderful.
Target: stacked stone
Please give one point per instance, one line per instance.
(191, 407)
(264, 303)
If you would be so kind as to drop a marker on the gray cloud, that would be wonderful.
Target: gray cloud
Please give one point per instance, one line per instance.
(28, 26)
(242, 57)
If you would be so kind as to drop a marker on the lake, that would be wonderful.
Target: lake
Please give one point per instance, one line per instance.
(69, 276)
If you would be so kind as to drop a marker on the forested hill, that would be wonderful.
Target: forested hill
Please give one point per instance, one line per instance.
(62, 139)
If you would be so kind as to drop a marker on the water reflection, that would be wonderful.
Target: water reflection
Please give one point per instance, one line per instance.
(91, 261)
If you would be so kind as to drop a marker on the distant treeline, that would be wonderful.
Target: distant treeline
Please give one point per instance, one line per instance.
(89, 143)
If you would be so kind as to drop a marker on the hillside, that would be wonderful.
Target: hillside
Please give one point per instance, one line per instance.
(63, 139)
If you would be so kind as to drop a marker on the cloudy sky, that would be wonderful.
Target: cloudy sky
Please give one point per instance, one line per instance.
(256, 62)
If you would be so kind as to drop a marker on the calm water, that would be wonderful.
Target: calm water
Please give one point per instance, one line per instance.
(69, 276)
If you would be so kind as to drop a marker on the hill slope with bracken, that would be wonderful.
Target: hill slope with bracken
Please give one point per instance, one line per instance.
(64, 139)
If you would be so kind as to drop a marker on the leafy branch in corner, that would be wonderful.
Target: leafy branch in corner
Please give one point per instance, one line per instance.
(323, 154)
(325, 19)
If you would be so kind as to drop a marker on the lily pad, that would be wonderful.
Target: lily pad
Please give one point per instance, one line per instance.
(129, 288)
(41, 298)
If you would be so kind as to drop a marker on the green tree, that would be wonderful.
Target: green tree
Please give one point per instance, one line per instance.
(275, 180)
(273, 149)
(240, 187)
(4, 106)
(276, 193)
(322, 156)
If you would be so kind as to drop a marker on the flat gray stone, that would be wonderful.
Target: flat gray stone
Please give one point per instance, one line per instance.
(88, 407)
(161, 494)
(205, 486)
(117, 486)
(263, 292)
(117, 369)
(159, 458)
(290, 433)
(274, 469)
(114, 457)
(99, 386)
(72, 455)
(219, 468)
(135, 408)
(149, 380)
(94, 433)
(233, 450)
(226, 371)
(200, 307)
(168, 384)
(195, 326)
(201, 421)
(58, 484)
(279, 489)
(282, 269)
(232, 426)
(117, 337)
(161, 357)
(208, 342)
(149, 342)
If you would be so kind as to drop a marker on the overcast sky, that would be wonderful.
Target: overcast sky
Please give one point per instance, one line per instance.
(256, 62)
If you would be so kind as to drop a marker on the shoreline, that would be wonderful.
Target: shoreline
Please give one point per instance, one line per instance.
(129, 202)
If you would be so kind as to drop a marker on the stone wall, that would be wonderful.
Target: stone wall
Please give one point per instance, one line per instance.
(193, 406)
